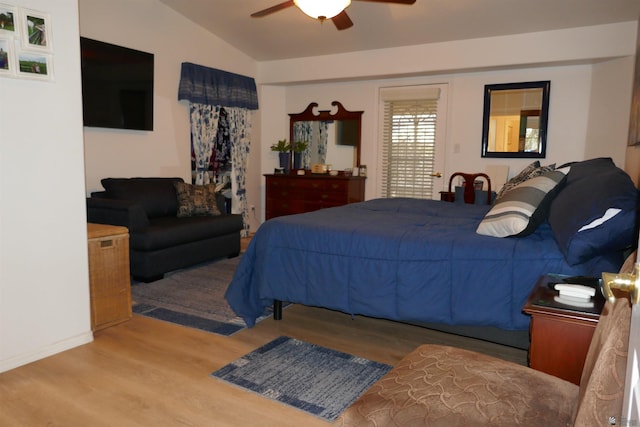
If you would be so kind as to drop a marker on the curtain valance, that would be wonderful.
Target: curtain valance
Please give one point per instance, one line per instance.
(210, 86)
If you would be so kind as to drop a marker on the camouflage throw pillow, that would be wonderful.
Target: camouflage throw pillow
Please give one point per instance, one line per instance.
(531, 171)
(196, 200)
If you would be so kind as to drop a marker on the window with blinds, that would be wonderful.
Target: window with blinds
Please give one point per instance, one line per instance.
(409, 143)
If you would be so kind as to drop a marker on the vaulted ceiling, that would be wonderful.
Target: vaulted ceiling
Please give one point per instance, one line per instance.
(291, 34)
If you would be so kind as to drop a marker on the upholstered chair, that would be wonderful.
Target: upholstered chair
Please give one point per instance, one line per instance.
(445, 386)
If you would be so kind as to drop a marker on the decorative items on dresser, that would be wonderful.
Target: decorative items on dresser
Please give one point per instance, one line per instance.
(293, 194)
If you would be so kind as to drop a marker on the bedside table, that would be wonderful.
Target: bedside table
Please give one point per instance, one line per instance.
(560, 333)
(447, 196)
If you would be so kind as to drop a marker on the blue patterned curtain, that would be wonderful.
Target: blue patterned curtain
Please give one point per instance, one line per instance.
(302, 131)
(235, 93)
(240, 136)
(204, 85)
(323, 135)
(204, 128)
(221, 158)
(315, 133)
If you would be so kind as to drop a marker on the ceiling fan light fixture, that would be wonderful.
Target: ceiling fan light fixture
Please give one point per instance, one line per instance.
(322, 9)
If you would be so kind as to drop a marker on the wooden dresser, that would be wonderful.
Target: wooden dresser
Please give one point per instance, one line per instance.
(293, 194)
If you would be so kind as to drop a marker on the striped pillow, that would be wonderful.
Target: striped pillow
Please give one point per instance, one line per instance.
(522, 209)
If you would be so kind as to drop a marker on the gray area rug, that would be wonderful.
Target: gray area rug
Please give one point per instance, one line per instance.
(312, 378)
(192, 297)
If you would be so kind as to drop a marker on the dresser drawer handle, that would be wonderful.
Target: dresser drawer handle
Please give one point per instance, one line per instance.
(106, 243)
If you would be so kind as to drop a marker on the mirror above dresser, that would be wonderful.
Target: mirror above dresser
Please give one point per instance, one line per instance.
(333, 136)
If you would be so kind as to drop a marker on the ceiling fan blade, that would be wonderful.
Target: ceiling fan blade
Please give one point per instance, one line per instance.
(272, 9)
(342, 21)
(391, 1)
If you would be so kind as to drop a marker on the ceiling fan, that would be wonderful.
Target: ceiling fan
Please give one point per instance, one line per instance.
(324, 9)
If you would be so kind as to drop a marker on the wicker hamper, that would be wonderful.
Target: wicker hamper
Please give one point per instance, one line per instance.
(109, 275)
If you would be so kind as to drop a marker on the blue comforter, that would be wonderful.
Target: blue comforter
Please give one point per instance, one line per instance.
(400, 259)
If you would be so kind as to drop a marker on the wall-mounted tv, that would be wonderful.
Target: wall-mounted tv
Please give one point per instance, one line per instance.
(117, 86)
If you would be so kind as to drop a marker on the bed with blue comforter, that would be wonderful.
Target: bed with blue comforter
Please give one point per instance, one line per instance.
(424, 261)
(400, 259)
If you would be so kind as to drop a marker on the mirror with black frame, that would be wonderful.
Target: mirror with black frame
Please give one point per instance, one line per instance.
(332, 137)
(515, 120)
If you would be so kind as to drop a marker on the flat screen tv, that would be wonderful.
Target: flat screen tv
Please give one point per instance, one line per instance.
(117, 86)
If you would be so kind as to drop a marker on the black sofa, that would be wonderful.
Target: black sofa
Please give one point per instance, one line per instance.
(161, 239)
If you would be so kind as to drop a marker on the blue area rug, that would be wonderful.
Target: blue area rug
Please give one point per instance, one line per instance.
(312, 378)
(192, 297)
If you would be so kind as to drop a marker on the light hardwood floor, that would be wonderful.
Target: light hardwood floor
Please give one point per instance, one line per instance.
(150, 373)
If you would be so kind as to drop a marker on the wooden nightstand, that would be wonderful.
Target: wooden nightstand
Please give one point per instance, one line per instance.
(109, 279)
(447, 196)
(560, 333)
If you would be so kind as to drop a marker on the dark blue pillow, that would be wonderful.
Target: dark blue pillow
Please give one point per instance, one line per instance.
(578, 214)
(480, 196)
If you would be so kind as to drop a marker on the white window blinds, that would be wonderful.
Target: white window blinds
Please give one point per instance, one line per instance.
(409, 137)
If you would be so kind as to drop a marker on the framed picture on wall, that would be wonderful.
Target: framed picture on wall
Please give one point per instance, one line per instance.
(35, 65)
(26, 50)
(7, 57)
(36, 30)
(8, 21)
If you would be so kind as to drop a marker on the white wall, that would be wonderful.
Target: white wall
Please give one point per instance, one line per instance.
(150, 26)
(44, 284)
(590, 70)
(607, 129)
(633, 152)
(274, 125)
(569, 121)
(576, 45)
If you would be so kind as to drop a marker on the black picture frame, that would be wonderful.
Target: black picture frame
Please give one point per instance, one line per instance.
(489, 91)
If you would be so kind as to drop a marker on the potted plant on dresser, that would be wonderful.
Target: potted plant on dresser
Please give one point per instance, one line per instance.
(298, 148)
(284, 153)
